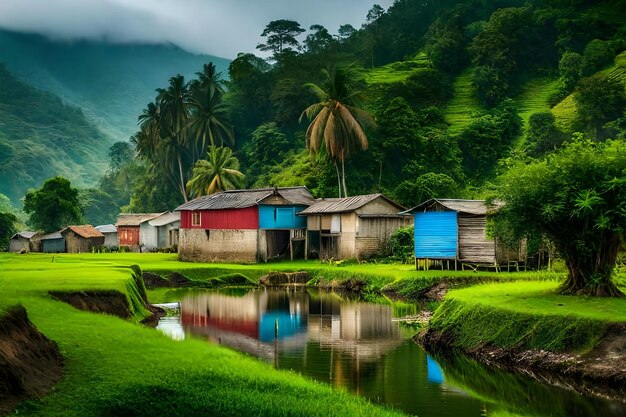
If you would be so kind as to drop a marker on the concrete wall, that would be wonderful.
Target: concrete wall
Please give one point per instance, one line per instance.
(148, 236)
(19, 244)
(110, 240)
(218, 245)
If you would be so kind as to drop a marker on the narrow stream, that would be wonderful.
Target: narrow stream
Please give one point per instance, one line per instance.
(343, 342)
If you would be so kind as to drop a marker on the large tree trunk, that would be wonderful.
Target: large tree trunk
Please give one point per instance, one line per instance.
(590, 274)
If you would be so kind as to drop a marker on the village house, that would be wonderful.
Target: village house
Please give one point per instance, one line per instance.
(110, 235)
(81, 239)
(128, 229)
(450, 230)
(23, 242)
(244, 225)
(52, 243)
(351, 227)
(160, 232)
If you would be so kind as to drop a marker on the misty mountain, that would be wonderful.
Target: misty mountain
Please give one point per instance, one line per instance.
(110, 83)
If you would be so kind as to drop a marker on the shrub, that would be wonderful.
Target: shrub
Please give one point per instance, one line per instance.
(401, 244)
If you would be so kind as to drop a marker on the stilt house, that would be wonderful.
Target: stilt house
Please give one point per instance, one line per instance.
(22, 242)
(456, 230)
(244, 225)
(352, 227)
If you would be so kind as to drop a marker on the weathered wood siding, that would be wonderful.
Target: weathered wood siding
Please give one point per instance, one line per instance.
(373, 233)
(128, 235)
(474, 246)
(53, 245)
(198, 245)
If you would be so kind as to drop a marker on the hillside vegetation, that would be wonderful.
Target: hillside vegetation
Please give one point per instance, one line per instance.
(40, 136)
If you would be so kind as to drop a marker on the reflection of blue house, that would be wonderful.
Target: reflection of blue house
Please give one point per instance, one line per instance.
(435, 374)
(288, 325)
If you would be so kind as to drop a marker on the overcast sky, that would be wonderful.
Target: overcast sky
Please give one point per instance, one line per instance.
(217, 27)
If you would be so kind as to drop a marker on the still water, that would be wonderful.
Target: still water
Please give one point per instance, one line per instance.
(341, 341)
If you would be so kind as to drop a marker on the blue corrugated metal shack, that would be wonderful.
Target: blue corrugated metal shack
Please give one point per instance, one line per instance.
(53, 243)
(447, 229)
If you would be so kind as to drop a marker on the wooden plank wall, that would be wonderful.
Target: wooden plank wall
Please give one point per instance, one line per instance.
(473, 243)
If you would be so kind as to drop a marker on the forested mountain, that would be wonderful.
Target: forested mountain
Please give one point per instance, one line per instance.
(41, 136)
(110, 83)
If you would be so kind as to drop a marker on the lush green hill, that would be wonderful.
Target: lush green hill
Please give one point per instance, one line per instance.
(565, 111)
(110, 83)
(40, 137)
(464, 105)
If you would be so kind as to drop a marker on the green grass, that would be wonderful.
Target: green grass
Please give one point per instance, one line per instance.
(396, 71)
(117, 367)
(534, 97)
(464, 106)
(526, 315)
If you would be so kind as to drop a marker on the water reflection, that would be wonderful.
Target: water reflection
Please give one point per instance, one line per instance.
(341, 341)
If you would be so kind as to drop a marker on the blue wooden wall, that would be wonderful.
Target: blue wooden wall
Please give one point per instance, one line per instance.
(436, 234)
(281, 217)
(53, 245)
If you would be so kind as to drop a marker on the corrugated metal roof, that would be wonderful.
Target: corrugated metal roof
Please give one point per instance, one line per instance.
(233, 199)
(86, 231)
(25, 234)
(107, 228)
(460, 206)
(342, 205)
(164, 219)
(134, 219)
(53, 235)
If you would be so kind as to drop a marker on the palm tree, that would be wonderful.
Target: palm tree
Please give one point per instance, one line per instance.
(337, 120)
(207, 123)
(209, 79)
(219, 172)
(173, 104)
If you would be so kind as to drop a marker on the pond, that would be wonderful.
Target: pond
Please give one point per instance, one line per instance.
(360, 346)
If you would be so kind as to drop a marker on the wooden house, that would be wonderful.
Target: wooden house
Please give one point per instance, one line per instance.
(128, 228)
(81, 239)
(52, 243)
(23, 242)
(110, 235)
(244, 225)
(160, 232)
(456, 230)
(352, 227)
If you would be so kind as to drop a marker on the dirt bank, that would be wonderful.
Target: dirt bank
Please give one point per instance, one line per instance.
(105, 301)
(601, 372)
(30, 363)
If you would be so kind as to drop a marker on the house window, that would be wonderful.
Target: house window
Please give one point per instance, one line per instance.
(195, 218)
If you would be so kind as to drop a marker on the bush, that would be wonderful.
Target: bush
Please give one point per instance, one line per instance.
(401, 244)
(597, 54)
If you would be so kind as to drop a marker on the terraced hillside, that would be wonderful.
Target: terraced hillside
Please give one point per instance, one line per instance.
(565, 111)
(464, 105)
(396, 71)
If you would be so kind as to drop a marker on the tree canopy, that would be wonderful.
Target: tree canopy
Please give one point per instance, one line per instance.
(577, 198)
(54, 206)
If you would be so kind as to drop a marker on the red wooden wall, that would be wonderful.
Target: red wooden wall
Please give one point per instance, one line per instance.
(229, 219)
(128, 235)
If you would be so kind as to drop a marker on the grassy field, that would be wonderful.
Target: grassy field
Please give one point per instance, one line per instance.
(526, 315)
(464, 105)
(119, 368)
(534, 98)
(396, 71)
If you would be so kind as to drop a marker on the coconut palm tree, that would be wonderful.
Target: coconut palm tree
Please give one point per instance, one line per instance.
(218, 172)
(208, 119)
(208, 79)
(337, 120)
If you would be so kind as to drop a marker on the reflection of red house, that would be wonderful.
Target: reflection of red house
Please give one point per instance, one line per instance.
(246, 327)
(128, 227)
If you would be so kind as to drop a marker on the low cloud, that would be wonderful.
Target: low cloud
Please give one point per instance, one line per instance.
(221, 28)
